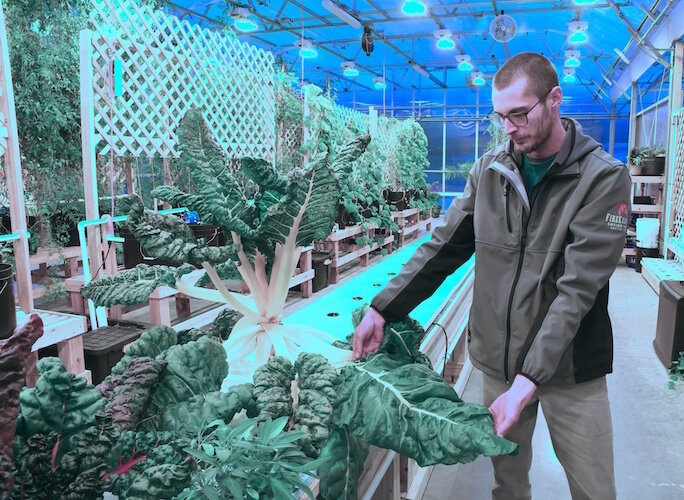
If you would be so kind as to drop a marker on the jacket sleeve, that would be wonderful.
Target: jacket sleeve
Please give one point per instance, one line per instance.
(598, 231)
(451, 244)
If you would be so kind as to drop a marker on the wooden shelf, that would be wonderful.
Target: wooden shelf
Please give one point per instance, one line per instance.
(647, 179)
(647, 209)
(628, 251)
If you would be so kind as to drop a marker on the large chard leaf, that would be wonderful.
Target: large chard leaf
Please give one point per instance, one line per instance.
(60, 402)
(219, 199)
(272, 386)
(194, 368)
(340, 465)
(133, 286)
(13, 353)
(409, 408)
(169, 238)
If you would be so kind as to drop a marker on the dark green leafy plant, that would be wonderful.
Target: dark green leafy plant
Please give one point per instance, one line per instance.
(251, 460)
(676, 371)
(639, 153)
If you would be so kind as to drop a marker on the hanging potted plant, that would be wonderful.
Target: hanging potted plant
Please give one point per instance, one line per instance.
(647, 160)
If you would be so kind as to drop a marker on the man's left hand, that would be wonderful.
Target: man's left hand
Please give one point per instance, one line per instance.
(507, 408)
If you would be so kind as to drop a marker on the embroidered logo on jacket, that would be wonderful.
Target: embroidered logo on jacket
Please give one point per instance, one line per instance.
(618, 221)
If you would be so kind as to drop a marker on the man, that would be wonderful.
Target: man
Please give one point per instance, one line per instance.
(546, 215)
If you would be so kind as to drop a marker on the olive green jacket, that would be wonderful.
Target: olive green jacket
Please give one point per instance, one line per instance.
(542, 262)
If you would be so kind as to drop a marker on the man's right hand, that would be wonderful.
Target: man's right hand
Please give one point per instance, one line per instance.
(368, 334)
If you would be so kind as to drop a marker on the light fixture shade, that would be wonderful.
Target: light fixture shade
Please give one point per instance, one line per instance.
(445, 44)
(414, 8)
(569, 76)
(478, 79)
(245, 24)
(584, 2)
(379, 82)
(306, 49)
(464, 63)
(572, 58)
(578, 37)
(444, 39)
(242, 21)
(308, 53)
(350, 69)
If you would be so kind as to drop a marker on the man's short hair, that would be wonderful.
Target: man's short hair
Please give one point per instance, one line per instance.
(540, 73)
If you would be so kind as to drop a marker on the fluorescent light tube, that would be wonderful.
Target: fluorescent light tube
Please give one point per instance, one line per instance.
(420, 70)
(621, 55)
(342, 14)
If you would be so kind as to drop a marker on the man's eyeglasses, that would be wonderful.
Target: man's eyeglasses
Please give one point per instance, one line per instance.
(519, 118)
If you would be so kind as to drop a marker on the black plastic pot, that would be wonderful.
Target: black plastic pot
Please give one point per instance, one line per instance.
(343, 219)
(396, 198)
(7, 309)
(652, 165)
(436, 210)
(321, 269)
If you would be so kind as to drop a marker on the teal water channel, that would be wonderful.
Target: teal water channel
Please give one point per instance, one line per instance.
(332, 312)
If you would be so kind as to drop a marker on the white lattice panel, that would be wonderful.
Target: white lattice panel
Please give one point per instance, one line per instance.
(350, 120)
(677, 173)
(169, 66)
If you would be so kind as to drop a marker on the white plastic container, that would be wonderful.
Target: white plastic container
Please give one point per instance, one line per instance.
(647, 232)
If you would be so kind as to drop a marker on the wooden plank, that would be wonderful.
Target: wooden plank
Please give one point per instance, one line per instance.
(159, 311)
(51, 255)
(304, 277)
(305, 266)
(13, 174)
(70, 351)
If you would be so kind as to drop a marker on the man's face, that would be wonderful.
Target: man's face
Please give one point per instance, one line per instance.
(517, 98)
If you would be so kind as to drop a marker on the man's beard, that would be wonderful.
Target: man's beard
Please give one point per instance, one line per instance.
(531, 141)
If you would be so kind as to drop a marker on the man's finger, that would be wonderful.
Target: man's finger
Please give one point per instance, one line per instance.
(357, 344)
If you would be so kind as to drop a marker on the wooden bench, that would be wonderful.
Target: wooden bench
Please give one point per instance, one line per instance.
(45, 256)
(409, 222)
(65, 331)
(336, 239)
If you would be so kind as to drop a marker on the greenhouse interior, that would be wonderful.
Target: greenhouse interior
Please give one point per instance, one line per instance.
(342, 249)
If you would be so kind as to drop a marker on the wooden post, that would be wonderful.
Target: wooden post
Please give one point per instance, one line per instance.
(15, 183)
(88, 148)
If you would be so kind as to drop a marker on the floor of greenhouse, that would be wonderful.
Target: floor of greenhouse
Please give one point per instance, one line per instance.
(647, 416)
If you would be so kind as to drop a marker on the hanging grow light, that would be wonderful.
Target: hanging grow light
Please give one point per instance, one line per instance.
(578, 32)
(306, 49)
(414, 8)
(379, 82)
(350, 69)
(464, 63)
(569, 76)
(572, 58)
(444, 40)
(242, 21)
(478, 79)
(584, 2)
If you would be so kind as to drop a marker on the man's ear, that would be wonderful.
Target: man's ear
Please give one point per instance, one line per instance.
(556, 95)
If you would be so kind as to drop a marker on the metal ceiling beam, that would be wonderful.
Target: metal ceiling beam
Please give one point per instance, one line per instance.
(410, 59)
(215, 21)
(641, 42)
(396, 15)
(669, 28)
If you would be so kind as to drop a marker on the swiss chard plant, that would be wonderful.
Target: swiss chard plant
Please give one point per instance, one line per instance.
(267, 235)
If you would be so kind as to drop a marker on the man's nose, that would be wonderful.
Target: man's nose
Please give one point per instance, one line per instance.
(508, 126)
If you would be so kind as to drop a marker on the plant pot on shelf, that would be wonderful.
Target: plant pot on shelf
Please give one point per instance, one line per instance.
(320, 262)
(7, 309)
(343, 218)
(396, 198)
(635, 170)
(652, 165)
(436, 210)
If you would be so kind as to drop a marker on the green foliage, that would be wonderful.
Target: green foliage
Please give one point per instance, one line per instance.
(676, 371)
(251, 460)
(421, 417)
(60, 402)
(133, 286)
(43, 44)
(639, 153)
(340, 465)
(194, 368)
(272, 388)
(461, 171)
(407, 157)
(497, 136)
(316, 380)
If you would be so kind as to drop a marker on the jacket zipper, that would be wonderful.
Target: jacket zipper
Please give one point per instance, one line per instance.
(523, 243)
(508, 217)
